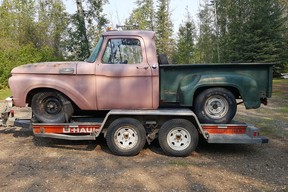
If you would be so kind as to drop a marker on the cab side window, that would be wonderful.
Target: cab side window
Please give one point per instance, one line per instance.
(123, 51)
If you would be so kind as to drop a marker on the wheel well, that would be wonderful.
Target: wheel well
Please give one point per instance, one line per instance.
(233, 90)
(39, 90)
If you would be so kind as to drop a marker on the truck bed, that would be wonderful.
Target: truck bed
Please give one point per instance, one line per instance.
(180, 83)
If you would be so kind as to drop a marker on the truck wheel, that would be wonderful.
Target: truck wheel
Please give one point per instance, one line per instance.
(126, 137)
(48, 107)
(178, 137)
(215, 105)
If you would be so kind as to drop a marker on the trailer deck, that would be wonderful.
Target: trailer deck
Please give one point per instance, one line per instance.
(127, 131)
(234, 133)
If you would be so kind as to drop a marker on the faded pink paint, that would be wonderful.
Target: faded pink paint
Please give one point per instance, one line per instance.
(96, 86)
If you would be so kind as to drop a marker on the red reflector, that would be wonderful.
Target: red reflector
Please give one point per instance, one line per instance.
(255, 134)
(12, 113)
(227, 129)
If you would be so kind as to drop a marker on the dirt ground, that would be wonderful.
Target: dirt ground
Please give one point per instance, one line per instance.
(31, 164)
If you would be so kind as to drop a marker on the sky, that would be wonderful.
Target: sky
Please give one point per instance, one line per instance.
(118, 10)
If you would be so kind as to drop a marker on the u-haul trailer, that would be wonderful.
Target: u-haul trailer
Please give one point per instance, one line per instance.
(127, 131)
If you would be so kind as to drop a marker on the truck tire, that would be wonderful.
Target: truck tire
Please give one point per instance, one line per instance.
(178, 137)
(51, 107)
(215, 105)
(126, 137)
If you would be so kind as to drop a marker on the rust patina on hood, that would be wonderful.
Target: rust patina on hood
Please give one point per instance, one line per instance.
(46, 68)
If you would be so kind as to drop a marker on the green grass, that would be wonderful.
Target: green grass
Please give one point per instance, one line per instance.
(275, 125)
(280, 81)
(4, 93)
(284, 110)
(272, 120)
(277, 93)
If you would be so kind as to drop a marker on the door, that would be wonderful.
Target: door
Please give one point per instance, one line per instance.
(123, 77)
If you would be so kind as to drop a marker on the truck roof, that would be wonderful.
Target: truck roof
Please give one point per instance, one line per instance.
(142, 33)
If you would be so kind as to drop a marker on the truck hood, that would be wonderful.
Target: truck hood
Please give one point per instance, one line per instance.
(47, 68)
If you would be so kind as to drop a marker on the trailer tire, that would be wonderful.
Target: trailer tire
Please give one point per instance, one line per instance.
(215, 105)
(126, 137)
(178, 137)
(48, 107)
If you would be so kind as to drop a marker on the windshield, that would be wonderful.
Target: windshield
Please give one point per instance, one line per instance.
(95, 52)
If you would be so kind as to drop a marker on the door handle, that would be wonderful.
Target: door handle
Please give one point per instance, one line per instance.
(142, 68)
(154, 66)
(66, 71)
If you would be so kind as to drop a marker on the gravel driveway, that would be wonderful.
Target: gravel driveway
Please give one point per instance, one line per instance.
(31, 164)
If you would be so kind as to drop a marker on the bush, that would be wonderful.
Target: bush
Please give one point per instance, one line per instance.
(13, 55)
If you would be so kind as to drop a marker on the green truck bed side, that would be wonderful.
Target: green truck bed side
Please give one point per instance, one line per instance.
(180, 84)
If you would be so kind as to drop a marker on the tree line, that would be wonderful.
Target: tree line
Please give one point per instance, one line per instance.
(225, 31)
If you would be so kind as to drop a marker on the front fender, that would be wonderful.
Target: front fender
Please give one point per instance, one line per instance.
(246, 86)
(75, 88)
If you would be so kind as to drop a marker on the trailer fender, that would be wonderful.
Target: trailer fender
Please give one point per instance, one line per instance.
(175, 113)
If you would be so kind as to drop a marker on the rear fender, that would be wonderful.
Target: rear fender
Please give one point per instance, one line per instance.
(246, 86)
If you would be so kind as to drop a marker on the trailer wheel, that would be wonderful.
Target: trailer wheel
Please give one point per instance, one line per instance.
(178, 137)
(126, 137)
(215, 105)
(48, 107)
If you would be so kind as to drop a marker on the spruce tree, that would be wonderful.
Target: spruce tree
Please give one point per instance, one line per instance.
(185, 52)
(164, 28)
(250, 31)
(143, 15)
(207, 40)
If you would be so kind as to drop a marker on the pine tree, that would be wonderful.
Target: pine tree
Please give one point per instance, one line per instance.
(282, 67)
(250, 31)
(143, 15)
(207, 41)
(185, 52)
(164, 28)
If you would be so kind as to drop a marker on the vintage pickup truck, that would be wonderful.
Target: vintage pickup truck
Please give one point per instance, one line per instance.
(124, 72)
